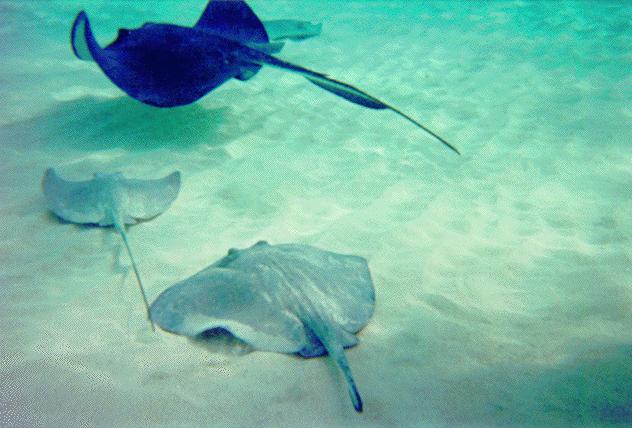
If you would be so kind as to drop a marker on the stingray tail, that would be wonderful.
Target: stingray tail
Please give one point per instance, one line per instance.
(341, 360)
(123, 233)
(332, 342)
(344, 90)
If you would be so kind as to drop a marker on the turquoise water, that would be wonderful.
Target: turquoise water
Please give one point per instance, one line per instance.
(502, 276)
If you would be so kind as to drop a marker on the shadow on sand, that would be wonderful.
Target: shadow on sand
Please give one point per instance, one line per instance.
(94, 124)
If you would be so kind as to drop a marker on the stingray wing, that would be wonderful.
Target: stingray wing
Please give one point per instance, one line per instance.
(343, 281)
(225, 298)
(145, 199)
(79, 36)
(233, 19)
(340, 283)
(74, 201)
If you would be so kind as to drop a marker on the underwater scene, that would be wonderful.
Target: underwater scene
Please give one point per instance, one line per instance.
(315, 213)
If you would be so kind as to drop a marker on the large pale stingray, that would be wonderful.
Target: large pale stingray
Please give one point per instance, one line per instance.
(287, 298)
(111, 200)
(169, 65)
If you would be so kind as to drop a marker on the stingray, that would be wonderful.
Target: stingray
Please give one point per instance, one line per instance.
(168, 65)
(282, 29)
(288, 298)
(111, 200)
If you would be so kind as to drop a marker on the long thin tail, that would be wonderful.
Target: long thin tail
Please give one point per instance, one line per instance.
(341, 360)
(344, 90)
(121, 230)
(331, 340)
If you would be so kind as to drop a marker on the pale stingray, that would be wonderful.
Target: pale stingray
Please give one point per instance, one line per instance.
(111, 200)
(282, 29)
(289, 298)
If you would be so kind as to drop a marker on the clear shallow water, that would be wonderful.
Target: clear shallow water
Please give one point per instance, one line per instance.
(502, 276)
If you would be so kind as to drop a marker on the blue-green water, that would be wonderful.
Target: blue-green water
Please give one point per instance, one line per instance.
(502, 276)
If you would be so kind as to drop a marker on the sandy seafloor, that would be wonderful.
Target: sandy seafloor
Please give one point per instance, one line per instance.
(503, 277)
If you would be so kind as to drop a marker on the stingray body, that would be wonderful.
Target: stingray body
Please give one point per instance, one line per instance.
(288, 298)
(167, 65)
(111, 200)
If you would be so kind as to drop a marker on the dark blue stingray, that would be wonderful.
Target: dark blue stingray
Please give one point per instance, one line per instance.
(167, 65)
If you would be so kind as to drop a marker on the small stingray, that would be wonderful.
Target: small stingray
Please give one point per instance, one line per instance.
(281, 29)
(111, 200)
(168, 65)
(288, 298)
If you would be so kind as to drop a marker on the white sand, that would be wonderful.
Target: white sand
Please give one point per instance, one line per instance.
(502, 276)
